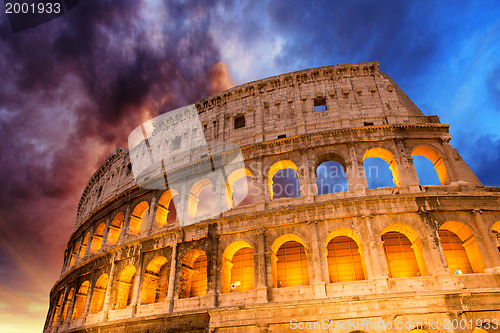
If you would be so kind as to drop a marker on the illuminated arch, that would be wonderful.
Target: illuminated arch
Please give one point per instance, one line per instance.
(238, 192)
(345, 256)
(496, 234)
(281, 165)
(237, 267)
(193, 274)
(388, 157)
(99, 293)
(97, 237)
(56, 310)
(115, 228)
(437, 161)
(81, 298)
(124, 287)
(496, 227)
(166, 212)
(155, 281)
(66, 304)
(404, 251)
(74, 255)
(194, 196)
(139, 215)
(83, 245)
(462, 253)
(289, 262)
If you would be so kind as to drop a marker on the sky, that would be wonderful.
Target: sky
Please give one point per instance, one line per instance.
(72, 90)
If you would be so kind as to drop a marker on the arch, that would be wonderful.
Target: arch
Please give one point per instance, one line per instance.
(345, 256)
(193, 274)
(166, 212)
(99, 294)
(403, 250)
(387, 157)
(124, 287)
(496, 227)
(238, 191)
(81, 298)
(97, 238)
(83, 245)
(436, 159)
(115, 228)
(496, 234)
(237, 267)
(66, 304)
(56, 310)
(139, 214)
(278, 166)
(331, 177)
(289, 262)
(74, 255)
(194, 196)
(461, 254)
(155, 281)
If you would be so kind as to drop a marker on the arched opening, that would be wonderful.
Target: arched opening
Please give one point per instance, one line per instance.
(155, 281)
(237, 267)
(404, 252)
(139, 214)
(166, 212)
(81, 298)
(83, 245)
(99, 294)
(67, 303)
(239, 188)
(74, 255)
(193, 274)
(289, 262)
(284, 180)
(115, 228)
(344, 256)
(200, 198)
(331, 178)
(124, 287)
(56, 310)
(496, 234)
(97, 238)
(460, 248)
(433, 159)
(381, 169)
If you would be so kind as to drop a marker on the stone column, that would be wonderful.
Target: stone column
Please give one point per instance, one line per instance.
(106, 233)
(61, 306)
(88, 300)
(171, 278)
(151, 215)
(355, 173)
(377, 252)
(212, 267)
(72, 305)
(89, 241)
(126, 223)
(307, 187)
(262, 286)
(109, 289)
(403, 162)
(492, 256)
(318, 282)
(432, 251)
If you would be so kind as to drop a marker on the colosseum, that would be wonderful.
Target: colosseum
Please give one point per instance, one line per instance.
(297, 235)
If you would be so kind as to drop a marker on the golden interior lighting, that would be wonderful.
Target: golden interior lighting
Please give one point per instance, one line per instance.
(291, 265)
(115, 228)
(193, 274)
(155, 281)
(97, 237)
(83, 246)
(400, 255)
(81, 298)
(455, 254)
(237, 267)
(388, 157)
(98, 294)
(166, 212)
(56, 310)
(66, 305)
(139, 214)
(239, 188)
(344, 260)
(124, 287)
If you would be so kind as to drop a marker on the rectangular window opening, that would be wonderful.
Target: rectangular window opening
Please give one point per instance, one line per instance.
(368, 123)
(281, 136)
(239, 121)
(319, 104)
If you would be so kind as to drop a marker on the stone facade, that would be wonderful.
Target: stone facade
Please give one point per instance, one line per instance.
(128, 269)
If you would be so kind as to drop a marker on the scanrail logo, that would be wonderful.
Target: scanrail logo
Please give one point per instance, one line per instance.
(170, 152)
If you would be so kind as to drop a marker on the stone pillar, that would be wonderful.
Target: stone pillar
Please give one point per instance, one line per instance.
(106, 233)
(89, 241)
(61, 307)
(318, 282)
(432, 251)
(171, 278)
(491, 255)
(355, 173)
(88, 300)
(182, 205)
(151, 215)
(72, 306)
(307, 187)
(260, 263)
(403, 163)
(376, 246)
(212, 267)
(136, 292)
(109, 288)
(125, 225)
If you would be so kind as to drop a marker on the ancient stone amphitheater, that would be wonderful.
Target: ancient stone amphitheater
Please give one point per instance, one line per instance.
(334, 252)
